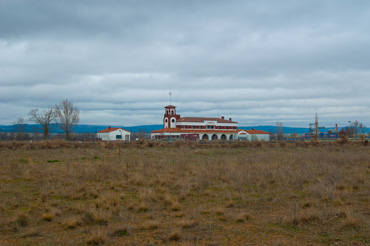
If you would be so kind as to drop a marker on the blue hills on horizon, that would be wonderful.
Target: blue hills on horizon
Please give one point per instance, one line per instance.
(31, 128)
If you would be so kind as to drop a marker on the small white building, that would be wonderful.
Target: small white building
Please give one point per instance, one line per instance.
(252, 135)
(112, 134)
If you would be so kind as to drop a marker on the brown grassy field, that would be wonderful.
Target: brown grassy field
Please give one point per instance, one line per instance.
(58, 193)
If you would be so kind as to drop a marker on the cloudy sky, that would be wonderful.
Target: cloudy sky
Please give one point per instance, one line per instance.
(257, 62)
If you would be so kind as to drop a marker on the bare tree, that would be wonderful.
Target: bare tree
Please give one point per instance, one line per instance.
(279, 131)
(68, 116)
(356, 128)
(46, 119)
(19, 126)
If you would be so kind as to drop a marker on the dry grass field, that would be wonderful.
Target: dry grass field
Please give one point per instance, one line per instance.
(58, 193)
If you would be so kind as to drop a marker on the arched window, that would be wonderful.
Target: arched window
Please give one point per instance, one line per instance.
(214, 137)
(205, 137)
(223, 137)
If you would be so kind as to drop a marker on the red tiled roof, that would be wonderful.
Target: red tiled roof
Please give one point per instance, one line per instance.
(253, 131)
(202, 119)
(110, 129)
(170, 106)
(177, 130)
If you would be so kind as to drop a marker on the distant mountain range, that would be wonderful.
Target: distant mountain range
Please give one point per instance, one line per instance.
(272, 129)
(146, 128)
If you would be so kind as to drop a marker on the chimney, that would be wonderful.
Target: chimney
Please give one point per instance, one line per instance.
(229, 119)
(108, 127)
(252, 129)
(223, 117)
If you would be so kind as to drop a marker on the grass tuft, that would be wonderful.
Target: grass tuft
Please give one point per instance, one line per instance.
(175, 236)
(97, 238)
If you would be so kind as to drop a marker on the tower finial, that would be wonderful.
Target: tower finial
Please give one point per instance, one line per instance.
(170, 96)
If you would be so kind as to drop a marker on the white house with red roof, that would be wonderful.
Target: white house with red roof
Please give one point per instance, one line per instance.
(112, 134)
(194, 128)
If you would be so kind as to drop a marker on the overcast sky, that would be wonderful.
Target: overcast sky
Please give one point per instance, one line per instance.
(257, 62)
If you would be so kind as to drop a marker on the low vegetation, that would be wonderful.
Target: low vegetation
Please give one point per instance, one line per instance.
(158, 193)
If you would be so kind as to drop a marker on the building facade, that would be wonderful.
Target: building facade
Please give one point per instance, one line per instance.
(198, 128)
(112, 134)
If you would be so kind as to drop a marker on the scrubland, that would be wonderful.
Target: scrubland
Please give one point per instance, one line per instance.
(143, 193)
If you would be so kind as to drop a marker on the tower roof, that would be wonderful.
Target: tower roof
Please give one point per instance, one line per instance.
(170, 106)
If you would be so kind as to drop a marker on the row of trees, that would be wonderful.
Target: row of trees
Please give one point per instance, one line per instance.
(354, 129)
(64, 113)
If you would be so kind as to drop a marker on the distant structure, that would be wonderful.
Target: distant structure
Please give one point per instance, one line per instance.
(203, 128)
(317, 132)
(314, 129)
(112, 134)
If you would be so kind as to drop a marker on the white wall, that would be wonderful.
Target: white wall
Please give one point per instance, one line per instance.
(111, 136)
(253, 137)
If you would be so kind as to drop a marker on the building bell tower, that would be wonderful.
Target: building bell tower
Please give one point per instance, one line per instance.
(170, 117)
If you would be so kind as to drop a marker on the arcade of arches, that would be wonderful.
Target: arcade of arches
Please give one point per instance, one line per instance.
(217, 136)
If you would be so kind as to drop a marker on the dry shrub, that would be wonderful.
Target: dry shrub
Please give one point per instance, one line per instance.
(172, 202)
(72, 222)
(179, 214)
(101, 217)
(150, 225)
(78, 208)
(324, 190)
(98, 216)
(147, 195)
(242, 216)
(282, 144)
(97, 238)
(230, 204)
(32, 232)
(22, 219)
(343, 139)
(175, 206)
(168, 199)
(301, 144)
(143, 207)
(131, 206)
(219, 211)
(108, 202)
(351, 222)
(48, 216)
(311, 217)
(186, 223)
(137, 179)
(121, 231)
(175, 236)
